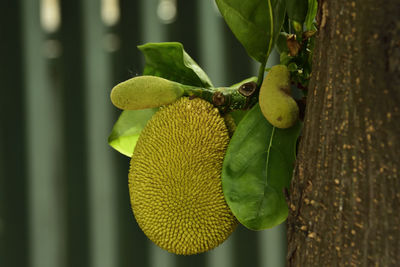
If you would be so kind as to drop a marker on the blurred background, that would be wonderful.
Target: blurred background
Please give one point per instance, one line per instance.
(64, 198)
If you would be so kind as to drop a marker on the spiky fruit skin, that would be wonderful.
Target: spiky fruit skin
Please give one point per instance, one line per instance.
(276, 103)
(230, 124)
(145, 92)
(175, 178)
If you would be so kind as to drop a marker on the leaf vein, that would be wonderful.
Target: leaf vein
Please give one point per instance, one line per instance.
(266, 173)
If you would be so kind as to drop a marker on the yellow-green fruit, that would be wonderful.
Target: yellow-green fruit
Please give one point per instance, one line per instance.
(230, 124)
(175, 178)
(145, 92)
(276, 103)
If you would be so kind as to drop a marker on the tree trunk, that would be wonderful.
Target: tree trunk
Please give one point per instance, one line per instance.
(345, 195)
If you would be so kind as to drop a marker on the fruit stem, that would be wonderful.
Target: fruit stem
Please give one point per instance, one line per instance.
(225, 98)
(261, 71)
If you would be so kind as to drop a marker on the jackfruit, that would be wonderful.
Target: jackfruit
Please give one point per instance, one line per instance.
(145, 92)
(230, 124)
(276, 103)
(175, 178)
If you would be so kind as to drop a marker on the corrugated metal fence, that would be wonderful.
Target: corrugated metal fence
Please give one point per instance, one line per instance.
(63, 191)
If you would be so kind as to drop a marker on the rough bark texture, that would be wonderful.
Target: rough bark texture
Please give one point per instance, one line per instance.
(345, 199)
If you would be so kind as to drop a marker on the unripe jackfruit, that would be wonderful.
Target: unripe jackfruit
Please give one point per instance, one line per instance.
(276, 103)
(175, 178)
(145, 92)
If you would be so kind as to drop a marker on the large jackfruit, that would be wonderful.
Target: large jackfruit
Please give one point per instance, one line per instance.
(175, 178)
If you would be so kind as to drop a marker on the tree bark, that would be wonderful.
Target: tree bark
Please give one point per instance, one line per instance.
(345, 194)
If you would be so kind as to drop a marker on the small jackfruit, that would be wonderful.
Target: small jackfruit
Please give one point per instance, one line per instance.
(145, 92)
(276, 103)
(175, 178)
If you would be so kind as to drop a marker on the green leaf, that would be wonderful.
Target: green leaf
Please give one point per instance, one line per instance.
(284, 58)
(292, 67)
(170, 61)
(255, 23)
(257, 167)
(127, 129)
(311, 13)
(238, 115)
(281, 43)
(297, 10)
